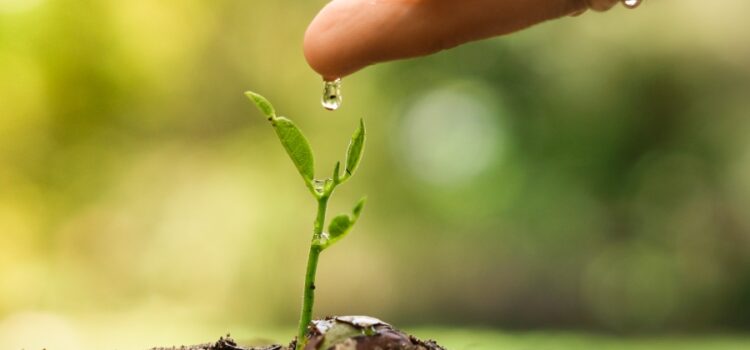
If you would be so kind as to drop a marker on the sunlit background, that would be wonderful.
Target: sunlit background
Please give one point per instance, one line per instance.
(590, 175)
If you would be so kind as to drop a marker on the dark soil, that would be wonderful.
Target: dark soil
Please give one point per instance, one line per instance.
(336, 333)
(224, 343)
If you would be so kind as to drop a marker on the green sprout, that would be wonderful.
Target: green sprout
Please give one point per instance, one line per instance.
(299, 150)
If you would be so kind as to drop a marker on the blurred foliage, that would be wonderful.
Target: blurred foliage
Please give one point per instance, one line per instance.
(492, 340)
(589, 173)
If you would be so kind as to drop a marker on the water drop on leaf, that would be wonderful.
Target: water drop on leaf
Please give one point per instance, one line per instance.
(319, 185)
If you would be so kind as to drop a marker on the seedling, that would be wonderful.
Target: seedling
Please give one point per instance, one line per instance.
(299, 150)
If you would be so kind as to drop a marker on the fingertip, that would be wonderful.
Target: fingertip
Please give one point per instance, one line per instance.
(317, 51)
(330, 45)
(348, 35)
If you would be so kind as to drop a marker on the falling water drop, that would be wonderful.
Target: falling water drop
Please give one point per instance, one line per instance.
(631, 4)
(331, 95)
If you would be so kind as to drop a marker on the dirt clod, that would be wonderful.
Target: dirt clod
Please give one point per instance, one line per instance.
(361, 333)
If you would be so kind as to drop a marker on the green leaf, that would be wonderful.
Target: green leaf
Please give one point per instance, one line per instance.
(356, 147)
(358, 208)
(339, 226)
(262, 103)
(296, 146)
(342, 224)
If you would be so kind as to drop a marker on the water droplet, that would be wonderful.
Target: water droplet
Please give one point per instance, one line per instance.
(324, 238)
(319, 185)
(331, 95)
(631, 4)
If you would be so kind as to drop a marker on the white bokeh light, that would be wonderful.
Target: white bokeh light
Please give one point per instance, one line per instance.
(450, 135)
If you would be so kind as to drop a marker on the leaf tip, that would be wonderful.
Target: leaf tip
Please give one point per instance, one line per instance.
(337, 173)
(359, 206)
(262, 103)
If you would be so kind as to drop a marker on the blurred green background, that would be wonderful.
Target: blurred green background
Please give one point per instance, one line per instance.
(588, 175)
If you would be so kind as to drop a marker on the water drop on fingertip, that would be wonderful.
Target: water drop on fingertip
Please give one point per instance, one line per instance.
(331, 95)
(631, 4)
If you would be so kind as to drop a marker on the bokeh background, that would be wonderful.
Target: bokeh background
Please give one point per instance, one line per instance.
(589, 175)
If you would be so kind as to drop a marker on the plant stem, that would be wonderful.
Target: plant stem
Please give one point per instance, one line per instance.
(308, 297)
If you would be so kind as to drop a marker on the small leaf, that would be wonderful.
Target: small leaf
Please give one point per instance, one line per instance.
(296, 146)
(339, 226)
(337, 173)
(356, 147)
(262, 103)
(358, 208)
(342, 224)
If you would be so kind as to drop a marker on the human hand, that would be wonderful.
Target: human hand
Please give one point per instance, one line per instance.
(348, 35)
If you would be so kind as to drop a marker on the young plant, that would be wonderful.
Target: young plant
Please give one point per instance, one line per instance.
(299, 150)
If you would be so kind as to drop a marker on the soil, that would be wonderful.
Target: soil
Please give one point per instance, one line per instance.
(224, 343)
(336, 333)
